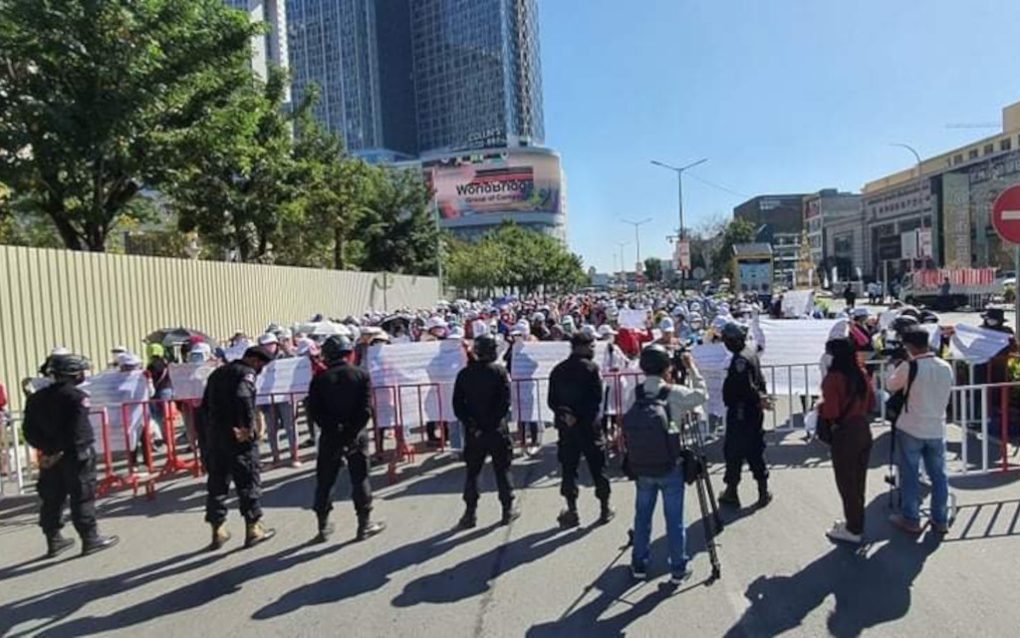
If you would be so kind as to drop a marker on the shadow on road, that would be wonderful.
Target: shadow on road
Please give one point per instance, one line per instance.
(869, 590)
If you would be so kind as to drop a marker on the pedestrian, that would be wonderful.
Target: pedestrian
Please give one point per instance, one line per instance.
(746, 398)
(849, 295)
(340, 404)
(229, 443)
(847, 397)
(481, 402)
(652, 432)
(920, 432)
(158, 372)
(56, 423)
(575, 398)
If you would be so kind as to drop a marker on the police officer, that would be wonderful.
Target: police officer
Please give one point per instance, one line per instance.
(340, 403)
(745, 396)
(57, 425)
(481, 401)
(575, 395)
(230, 446)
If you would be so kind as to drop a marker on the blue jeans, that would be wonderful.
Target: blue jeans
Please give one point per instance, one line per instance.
(158, 410)
(672, 488)
(910, 452)
(277, 416)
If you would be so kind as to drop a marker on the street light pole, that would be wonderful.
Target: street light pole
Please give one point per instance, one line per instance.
(920, 184)
(637, 237)
(679, 170)
(623, 259)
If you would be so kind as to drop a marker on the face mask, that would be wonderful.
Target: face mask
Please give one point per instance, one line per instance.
(992, 322)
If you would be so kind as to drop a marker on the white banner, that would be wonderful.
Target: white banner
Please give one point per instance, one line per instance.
(533, 362)
(189, 379)
(713, 360)
(977, 345)
(794, 349)
(797, 303)
(422, 374)
(283, 380)
(636, 319)
(111, 390)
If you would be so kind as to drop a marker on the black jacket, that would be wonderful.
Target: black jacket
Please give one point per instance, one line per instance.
(744, 382)
(340, 401)
(57, 420)
(228, 403)
(575, 387)
(481, 396)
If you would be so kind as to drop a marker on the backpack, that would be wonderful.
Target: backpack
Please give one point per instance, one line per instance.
(652, 450)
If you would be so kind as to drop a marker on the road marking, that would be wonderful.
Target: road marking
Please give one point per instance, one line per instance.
(1011, 215)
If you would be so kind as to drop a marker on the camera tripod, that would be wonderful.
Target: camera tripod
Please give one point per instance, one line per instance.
(693, 442)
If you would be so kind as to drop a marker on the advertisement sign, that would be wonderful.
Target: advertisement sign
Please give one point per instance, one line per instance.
(683, 255)
(754, 276)
(508, 182)
(924, 243)
(908, 245)
(956, 219)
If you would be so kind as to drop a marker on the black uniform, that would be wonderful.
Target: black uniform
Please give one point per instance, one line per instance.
(745, 436)
(340, 403)
(57, 422)
(228, 403)
(575, 387)
(481, 401)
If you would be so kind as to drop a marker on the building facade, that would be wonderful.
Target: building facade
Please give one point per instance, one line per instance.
(778, 221)
(824, 211)
(945, 202)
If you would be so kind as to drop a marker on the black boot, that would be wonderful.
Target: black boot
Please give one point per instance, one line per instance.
(606, 513)
(764, 495)
(510, 514)
(325, 528)
(729, 496)
(469, 520)
(368, 528)
(57, 544)
(97, 544)
(568, 518)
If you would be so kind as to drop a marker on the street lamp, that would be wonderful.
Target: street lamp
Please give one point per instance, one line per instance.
(920, 200)
(637, 238)
(679, 170)
(623, 260)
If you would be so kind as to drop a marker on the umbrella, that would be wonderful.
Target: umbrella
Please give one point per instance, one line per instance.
(176, 336)
(322, 329)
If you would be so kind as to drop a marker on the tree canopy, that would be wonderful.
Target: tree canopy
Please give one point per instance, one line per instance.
(738, 231)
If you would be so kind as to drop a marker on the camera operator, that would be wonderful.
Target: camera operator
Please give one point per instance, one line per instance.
(920, 431)
(652, 429)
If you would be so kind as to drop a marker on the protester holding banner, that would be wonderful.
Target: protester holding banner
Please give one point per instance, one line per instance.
(847, 397)
(278, 412)
(575, 397)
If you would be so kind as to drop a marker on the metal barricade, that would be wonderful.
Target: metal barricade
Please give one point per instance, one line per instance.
(985, 412)
(15, 455)
(270, 420)
(135, 478)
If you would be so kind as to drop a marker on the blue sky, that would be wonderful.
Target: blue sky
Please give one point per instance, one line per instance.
(780, 95)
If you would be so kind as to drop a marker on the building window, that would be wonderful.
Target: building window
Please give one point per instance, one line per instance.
(1006, 144)
(958, 159)
(989, 149)
(972, 154)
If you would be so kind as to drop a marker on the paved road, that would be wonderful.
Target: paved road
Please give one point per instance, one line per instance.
(530, 579)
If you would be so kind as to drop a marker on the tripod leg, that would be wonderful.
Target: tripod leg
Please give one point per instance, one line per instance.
(713, 554)
(713, 504)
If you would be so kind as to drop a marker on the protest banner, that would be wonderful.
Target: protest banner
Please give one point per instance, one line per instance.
(283, 380)
(798, 303)
(422, 374)
(533, 362)
(634, 319)
(794, 350)
(111, 390)
(713, 360)
(976, 345)
(189, 379)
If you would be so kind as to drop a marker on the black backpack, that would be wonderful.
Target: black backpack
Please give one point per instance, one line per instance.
(652, 450)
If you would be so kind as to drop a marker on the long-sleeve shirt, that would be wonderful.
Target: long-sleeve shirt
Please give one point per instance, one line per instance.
(924, 415)
(575, 387)
(838, 404)
(681, 398)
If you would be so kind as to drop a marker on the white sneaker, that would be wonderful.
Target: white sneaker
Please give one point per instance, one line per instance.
(839, 532)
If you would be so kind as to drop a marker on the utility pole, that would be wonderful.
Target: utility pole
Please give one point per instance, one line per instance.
(637, 237)
(679, 170)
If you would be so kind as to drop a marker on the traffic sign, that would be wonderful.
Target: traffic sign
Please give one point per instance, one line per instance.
(1006, 215)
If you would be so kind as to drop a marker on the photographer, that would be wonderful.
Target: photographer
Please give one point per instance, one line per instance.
(847, 397)
(920, 432)
(652, 432)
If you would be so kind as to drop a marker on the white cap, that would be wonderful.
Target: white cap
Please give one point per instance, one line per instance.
(666, 325)
(588, 329)
(538, 317)
(520, 328)
(456, 333)
(839, 330)
(286, 333)
(434, 322)
(118, 349)
(60, 351)
(860, 312)
(267, 338)
(126, 359)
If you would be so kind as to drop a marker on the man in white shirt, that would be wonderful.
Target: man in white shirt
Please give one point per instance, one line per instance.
(920, 432)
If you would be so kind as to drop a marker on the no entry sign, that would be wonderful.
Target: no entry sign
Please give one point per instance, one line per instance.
(1006, 215)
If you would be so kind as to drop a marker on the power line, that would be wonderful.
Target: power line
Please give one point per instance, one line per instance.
(719, 187)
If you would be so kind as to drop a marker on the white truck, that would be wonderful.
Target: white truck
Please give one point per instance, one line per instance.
(967, 287)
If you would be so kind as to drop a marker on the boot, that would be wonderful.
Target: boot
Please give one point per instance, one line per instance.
(97, 544)
(764, 496)
(368, 528)
(729, 496)
(325, 529)
(220, 535)
(568, 518)
(57, 544)
(607, 514)
(469, 520)
(510, 514)
(256, 533)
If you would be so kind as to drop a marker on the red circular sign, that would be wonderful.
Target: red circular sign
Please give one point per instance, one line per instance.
(1006, 215)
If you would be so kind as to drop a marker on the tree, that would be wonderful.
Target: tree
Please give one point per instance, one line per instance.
(237, 187)
(99, 97)
(653, 269)
(738, 231)
(397, 229)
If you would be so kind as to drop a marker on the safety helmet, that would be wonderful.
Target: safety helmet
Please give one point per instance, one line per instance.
(654, 360)
(336, 348)
(734, 336)
(70, 366)
(485, 348)
(903, 323)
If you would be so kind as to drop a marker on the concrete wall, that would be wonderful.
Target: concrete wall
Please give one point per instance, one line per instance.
(91, 302)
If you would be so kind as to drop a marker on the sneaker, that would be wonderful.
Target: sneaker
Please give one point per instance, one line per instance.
(531, 450)
(296, 463)
(639, 573)
(840, 533)
(679, 578)
(905, 524)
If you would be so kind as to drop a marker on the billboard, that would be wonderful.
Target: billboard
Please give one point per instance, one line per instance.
(501, 183)
(956, 220)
